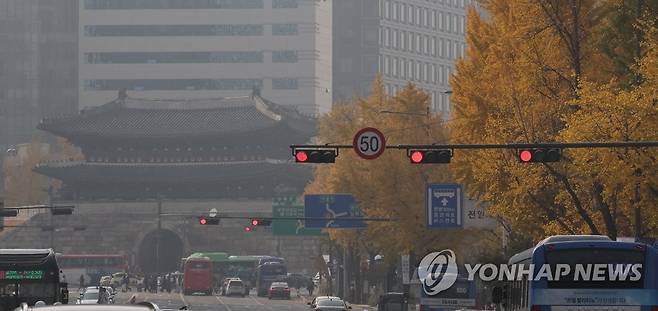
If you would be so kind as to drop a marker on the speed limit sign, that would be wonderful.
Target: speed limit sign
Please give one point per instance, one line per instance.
(369, 143)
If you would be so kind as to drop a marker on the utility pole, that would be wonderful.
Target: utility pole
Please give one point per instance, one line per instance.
(157, 235)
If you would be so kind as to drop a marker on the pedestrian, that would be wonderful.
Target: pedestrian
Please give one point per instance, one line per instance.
(147, 283)
(133, 299)
(126, 282)
(82, 281)
(310, 287)
(103, 296)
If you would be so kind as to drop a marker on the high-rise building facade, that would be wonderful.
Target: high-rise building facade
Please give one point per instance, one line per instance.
(38, 65)
(403, 40)
(207, 48)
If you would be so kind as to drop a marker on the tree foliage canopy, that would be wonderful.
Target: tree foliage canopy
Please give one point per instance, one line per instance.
(535, 71)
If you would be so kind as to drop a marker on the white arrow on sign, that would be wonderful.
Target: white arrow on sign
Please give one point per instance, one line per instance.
(212, 212)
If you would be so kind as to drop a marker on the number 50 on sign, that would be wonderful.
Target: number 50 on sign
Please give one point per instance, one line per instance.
(369, 143)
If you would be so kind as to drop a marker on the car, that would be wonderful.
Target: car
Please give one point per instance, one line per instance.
(279, 289)
(315, 300)
(105, 280)
(133, 280)
(89, 296)
(235, 287)
(333, 303)
(225, 283)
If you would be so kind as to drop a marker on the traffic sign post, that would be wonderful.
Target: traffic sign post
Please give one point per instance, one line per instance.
(328, 209)
(369, 143)
(289, 207)
(444, 206)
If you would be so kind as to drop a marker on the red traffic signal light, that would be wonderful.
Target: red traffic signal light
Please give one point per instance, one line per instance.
(540, 155)
(260, 222)
(430, 156)
(247, 229)
(315, 155)
(208, 221)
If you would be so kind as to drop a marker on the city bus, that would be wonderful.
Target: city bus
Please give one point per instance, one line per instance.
(92, 267)
(267, 273)
(198, 276)
(243, 267)
(28, 276)
(570, 293)
(461, 295)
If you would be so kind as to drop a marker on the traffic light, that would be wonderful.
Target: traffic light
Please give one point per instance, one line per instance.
(203, 220)
(540, 155)
(247, 229)
(430, 156)
(260, 222)
(315, 155)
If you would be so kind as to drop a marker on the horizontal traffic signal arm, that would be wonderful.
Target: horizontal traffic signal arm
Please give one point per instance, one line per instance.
(197, 216)
(616, 144)
(55, 210)
(442, 153)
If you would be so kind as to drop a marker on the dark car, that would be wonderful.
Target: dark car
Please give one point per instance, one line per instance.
(333, 304)
(279, 290)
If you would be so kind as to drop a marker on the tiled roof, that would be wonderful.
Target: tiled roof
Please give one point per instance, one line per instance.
(99, 173)
(136, 118)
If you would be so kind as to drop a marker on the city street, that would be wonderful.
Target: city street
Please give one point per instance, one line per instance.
(197, 302)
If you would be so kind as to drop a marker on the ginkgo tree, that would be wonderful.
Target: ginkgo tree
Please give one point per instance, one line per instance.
(535, 72)
(389, 186)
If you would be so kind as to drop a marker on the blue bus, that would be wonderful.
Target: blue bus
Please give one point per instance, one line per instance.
(461, 295)
(603, 291)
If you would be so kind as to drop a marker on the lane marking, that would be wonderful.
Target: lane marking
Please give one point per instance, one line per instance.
(223, 304)
(260, 303)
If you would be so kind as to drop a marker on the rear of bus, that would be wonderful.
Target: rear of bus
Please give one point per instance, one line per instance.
(198, 276)
(610, 291)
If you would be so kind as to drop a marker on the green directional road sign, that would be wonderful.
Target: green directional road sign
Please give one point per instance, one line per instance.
(288, 206)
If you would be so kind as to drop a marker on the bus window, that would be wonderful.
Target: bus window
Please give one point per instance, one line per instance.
(198, 265)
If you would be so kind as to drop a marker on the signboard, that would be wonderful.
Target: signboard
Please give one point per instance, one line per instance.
(288, 206)
(22, 275)
(369, 143)
(333, 208)
(443, 206)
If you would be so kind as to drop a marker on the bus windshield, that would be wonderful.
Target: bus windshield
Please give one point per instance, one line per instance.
(594, 256)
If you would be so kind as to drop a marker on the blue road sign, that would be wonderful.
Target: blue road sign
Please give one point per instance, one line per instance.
(332, 207)
(443, 206)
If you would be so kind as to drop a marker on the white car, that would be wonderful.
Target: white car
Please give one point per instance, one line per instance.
(89, 297)
(235, 287)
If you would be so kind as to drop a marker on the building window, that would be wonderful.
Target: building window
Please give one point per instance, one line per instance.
(172, 84)
(173, 30)
(433, 46)
(173, 57)
(345, 65)
(171, 4)
(286, 56)
(285, 84)
(284, 30)
(284, 4)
